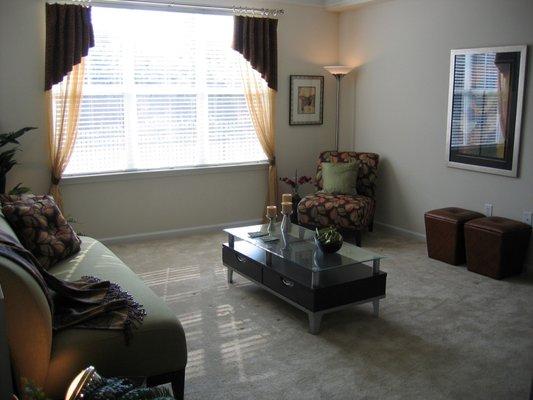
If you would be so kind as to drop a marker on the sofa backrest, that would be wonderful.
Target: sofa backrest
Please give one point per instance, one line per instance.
(28, 319)
(368, 168)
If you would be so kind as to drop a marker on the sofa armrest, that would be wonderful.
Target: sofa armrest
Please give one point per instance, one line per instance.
(29, 323)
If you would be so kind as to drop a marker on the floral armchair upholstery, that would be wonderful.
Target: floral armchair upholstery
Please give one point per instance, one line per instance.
(343, 211)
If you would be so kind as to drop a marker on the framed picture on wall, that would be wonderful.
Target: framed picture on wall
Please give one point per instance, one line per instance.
(306, 100)
(485, 109)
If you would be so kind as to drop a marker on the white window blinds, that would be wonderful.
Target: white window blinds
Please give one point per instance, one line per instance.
(475, 113)
(162, 90)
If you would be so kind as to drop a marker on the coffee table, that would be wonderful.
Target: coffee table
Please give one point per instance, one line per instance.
(295, 270)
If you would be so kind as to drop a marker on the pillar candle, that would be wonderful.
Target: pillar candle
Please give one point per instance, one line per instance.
(272, 211)
(286, 198)
(286, 207)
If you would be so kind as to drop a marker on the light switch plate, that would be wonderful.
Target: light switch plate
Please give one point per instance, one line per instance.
(527, 217)
(488, 210)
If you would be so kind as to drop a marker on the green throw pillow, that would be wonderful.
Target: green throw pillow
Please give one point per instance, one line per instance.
(340, 178)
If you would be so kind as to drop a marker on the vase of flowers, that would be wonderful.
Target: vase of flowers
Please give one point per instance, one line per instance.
(295, 183)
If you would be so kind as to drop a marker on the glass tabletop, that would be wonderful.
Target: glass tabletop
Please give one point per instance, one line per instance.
(298, 246)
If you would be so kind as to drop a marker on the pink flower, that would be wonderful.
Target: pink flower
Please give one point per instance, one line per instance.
(304, 179)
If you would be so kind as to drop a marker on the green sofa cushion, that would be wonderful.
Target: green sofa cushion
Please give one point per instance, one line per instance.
(158, 346)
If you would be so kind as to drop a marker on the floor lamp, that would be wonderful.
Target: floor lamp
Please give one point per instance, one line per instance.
(338, 71)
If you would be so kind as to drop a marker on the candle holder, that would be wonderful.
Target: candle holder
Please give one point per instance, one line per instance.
(271, 222)
(286, 221)
(284, 240)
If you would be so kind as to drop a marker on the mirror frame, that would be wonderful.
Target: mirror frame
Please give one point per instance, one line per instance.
(513, 172)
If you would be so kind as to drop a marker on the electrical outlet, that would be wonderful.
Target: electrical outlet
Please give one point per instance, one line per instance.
(488, 210)
(527, 217)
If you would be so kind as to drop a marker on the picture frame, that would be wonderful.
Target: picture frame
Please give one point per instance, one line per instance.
(486, 94)
(306, 103)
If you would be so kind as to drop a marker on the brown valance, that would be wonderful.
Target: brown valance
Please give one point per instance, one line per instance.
(69, 35)
(257, 40)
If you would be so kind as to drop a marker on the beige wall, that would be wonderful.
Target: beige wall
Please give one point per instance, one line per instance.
(307, 40)
(396, 102)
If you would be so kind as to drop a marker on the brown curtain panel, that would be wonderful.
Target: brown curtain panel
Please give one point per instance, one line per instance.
(257, 40)
(69, 35)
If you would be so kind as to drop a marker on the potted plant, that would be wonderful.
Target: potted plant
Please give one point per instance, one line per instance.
(295, 184)
(7, 157)
(329, 240)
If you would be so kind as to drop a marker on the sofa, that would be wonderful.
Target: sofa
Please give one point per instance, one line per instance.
(157, 350)
(347, 212)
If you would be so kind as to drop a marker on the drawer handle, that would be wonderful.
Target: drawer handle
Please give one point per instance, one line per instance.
(287, 282)
(240, 258)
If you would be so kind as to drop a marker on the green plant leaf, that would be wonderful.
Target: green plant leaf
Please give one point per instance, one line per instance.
(6, 160)
(19, 189)
(30, 391)
(11, 137)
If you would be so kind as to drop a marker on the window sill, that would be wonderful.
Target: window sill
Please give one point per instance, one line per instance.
(162, 173)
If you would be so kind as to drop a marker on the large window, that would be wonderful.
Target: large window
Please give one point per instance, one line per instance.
(162, 90)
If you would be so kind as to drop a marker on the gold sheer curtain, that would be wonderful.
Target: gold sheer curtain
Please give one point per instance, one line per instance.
(63, 112)
(261, 101)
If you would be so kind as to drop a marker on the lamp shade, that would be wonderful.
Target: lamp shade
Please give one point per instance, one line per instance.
(338, 69)
(81, 383)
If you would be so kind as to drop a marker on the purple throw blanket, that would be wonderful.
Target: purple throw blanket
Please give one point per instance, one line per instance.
(89, 302)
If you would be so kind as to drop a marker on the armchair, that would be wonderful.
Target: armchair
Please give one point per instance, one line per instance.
(354, 213)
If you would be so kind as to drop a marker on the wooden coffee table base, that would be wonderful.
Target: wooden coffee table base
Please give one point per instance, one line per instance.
(315, 318)
(366, 286)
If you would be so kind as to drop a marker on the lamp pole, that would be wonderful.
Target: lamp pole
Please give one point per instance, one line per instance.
(338, 71)
(338, 78)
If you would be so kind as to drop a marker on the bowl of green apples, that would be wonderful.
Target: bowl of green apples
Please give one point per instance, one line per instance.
(329, 240)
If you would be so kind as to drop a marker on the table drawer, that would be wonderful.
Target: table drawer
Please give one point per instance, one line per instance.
(288, 288)
(242, 263)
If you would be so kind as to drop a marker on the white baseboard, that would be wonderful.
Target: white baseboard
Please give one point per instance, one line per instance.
(401, 231)
(177, 232)
(217, 227)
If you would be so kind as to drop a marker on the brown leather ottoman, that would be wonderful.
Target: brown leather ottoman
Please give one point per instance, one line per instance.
(444, 233)
(496, 246)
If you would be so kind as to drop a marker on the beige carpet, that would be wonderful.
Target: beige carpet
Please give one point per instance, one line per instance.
(443, 332)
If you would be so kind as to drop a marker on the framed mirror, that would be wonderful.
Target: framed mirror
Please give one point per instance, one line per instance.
(485, 109)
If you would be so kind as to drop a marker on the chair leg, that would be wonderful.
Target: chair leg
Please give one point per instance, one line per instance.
(176, 380)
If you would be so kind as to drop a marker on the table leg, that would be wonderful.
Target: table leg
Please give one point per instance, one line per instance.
(268, 259)
(375, 267)
(314, 279)
(230, 275)
(314, 322)
(375, 304)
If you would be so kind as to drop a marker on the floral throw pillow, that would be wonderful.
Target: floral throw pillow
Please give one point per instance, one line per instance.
(41, 227)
